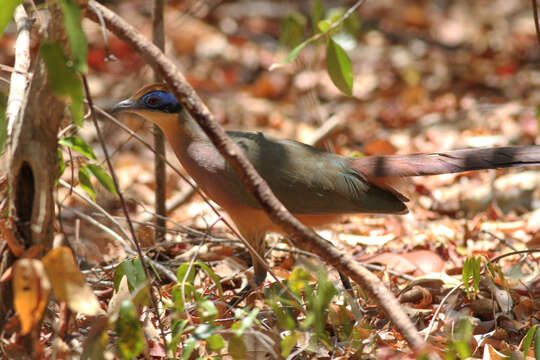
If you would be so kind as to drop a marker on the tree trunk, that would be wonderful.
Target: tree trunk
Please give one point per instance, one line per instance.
(33, 168)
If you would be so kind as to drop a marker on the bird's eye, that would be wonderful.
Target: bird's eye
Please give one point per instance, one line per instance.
(152, 101)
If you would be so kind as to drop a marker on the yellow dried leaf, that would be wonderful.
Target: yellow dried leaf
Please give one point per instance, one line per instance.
(31, 289)
(68, 282)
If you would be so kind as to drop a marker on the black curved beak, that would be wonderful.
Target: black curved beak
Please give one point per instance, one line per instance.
(123, 105)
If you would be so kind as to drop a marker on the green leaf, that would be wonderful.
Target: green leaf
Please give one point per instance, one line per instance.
(501, 276)
(63, 79)
(471, 270)
(292, 55)
(8, 9)
(103, 178)
(79, 145)
(466, 275)
(181, 273)
(119, 273)
(76, 37)
(178, 328)
(318, 303)
(76, 108)
(203, 331)
(95, 346)
(237, 348)
(463, 350)
(212, 275)
(178, 298)
(189, 346)
(240, 326)
(183, 291)
(351, 25)
(491, 270)
(538, 116)
(284, 316)
(61, 163)
(463, 336)
(339, 66)
(476, 274)
(325, 292)
(527, 340)
(324, 25)
(309, 320)
(298, 280)
(208, 310)
(288, 343)
(215, 342)
(130, 342)
(85, 183)
(537, 343)
(134, 272)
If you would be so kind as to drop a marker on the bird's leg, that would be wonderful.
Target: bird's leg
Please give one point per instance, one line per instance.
(259, 270)
(345, 281)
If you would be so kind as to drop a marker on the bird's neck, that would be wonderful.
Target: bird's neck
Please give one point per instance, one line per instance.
(182, 131)
(181, 128)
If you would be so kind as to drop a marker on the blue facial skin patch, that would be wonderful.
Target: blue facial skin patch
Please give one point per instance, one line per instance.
(165, 101)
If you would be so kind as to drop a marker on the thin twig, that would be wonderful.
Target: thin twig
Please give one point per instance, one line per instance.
(326, 129)
(434, 319)
(536, 25)
(330, 29)
(92, 221)
(172, 204)
(160, 174)
(161, 268)
(109, 56)
(11, 69)
(104, 268)
(100, 209)
(527, 251)
(503, 240)
(124, 206)
(160, 171)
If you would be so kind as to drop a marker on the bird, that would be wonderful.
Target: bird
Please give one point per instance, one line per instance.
(316, 186)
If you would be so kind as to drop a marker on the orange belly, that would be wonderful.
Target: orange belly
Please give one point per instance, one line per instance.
(254, 221)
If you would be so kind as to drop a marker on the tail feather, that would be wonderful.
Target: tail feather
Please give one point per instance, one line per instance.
(373, 167)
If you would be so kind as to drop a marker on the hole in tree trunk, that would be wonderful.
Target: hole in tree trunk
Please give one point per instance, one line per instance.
(24, 201)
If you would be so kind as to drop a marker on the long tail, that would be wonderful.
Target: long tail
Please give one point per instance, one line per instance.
(446, 162)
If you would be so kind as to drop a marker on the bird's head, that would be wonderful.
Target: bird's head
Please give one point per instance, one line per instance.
(153, 102)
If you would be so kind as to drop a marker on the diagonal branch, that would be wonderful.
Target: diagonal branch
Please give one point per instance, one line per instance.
(302, 236)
